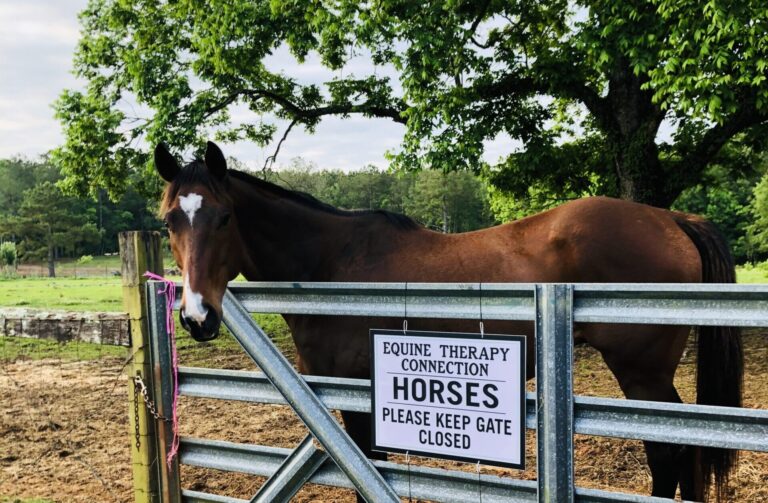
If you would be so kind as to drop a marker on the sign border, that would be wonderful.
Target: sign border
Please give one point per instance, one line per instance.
(450, 335)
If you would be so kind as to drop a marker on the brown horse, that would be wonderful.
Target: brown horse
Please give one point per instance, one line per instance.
(224, 222)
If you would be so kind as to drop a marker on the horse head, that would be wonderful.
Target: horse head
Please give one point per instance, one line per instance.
(203, 234)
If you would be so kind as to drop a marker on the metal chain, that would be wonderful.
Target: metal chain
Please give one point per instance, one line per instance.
(139, 382)
(136, 414)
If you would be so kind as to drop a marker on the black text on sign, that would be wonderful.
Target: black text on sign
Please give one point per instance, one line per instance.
(447, 395)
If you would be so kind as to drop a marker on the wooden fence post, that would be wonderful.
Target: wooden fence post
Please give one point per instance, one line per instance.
(140, 251)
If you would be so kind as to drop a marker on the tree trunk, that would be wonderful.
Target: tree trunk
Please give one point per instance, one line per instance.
(631, 127)
(639, 173)
(445, 216)
(51, 258)
(51, 263)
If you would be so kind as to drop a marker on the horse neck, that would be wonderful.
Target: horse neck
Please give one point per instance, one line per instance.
(286, 240)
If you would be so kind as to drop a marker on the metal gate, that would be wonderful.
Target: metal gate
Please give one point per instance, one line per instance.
(553, 411)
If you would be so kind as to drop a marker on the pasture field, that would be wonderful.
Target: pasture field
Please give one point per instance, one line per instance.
(72, 294)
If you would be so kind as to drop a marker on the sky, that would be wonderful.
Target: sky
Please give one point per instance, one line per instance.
(37, 43)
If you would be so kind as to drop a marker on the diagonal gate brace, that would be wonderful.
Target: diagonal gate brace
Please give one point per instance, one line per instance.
(347, 456)
(297, 468)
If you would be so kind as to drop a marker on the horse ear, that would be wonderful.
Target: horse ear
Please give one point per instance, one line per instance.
(215, 160)
(165, 163)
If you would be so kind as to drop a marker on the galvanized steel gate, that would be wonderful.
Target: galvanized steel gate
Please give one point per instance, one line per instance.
(559, 415)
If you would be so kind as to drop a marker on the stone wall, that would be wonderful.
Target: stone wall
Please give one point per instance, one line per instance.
(65, 326)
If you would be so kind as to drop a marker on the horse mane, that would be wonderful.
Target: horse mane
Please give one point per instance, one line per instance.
(197, 172)
(310, 201)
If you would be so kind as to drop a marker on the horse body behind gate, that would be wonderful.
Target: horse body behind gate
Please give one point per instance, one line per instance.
(224, 222)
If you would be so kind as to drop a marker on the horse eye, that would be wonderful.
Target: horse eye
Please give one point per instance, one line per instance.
(168, 222)
(224, 220)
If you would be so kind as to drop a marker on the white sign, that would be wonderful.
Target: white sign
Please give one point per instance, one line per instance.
(448, 395)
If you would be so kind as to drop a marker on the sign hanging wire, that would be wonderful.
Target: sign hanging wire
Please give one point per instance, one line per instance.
(482, 326)
(405, 309)
(479, 483)
(408, 464)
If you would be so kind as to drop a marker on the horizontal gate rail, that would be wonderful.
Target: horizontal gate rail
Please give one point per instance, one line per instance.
(704, 425)
(502, 301)
(668, 304)
(672, 304)
(434, 484)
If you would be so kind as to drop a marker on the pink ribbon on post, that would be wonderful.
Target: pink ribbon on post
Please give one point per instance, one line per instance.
(170, 327)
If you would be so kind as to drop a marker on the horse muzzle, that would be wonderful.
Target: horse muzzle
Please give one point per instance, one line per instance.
(205, 331)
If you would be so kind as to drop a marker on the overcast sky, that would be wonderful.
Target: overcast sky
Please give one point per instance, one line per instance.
(36, 47)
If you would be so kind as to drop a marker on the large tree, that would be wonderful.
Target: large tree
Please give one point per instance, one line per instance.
(583, 85)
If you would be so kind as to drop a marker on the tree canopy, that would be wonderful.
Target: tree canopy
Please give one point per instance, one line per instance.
(592, 77)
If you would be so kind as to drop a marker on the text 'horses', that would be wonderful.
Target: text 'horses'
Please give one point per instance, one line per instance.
(224, 222)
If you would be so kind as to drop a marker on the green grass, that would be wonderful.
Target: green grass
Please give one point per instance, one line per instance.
(752, 273)
(71, 294)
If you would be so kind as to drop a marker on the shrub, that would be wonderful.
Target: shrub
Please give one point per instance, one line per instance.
(8, 255)
(85, 259)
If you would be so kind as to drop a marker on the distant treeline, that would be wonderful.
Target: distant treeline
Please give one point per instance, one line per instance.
(447, 202)
(48, 225)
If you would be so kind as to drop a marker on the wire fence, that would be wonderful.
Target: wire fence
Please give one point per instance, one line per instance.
(65, 269)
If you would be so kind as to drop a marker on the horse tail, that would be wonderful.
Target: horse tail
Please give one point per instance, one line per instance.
(720, 362)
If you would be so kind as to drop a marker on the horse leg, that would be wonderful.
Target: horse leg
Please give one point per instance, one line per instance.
(644, 364)
(358, 426)
(691, 477)
(668, 463)
(664, 460)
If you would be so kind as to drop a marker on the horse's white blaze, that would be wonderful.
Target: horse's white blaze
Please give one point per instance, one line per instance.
(190, 204)
(193, 303)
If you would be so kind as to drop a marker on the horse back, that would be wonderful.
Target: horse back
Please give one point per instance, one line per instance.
(594, 239)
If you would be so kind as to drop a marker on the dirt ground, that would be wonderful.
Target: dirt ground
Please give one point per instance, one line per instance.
(64, 433)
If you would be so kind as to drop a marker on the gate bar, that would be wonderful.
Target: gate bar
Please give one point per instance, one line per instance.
(348, 456)
(297, 468)
(554, 387)
(676, 423)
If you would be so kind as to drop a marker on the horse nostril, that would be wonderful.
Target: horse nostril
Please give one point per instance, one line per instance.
(183, 320)
(212, 319)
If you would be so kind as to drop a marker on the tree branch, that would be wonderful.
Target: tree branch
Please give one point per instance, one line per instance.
(715, 137)
(508, 85)
(299, 113)
(475, 24)
(568, 86)
(269, 161)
